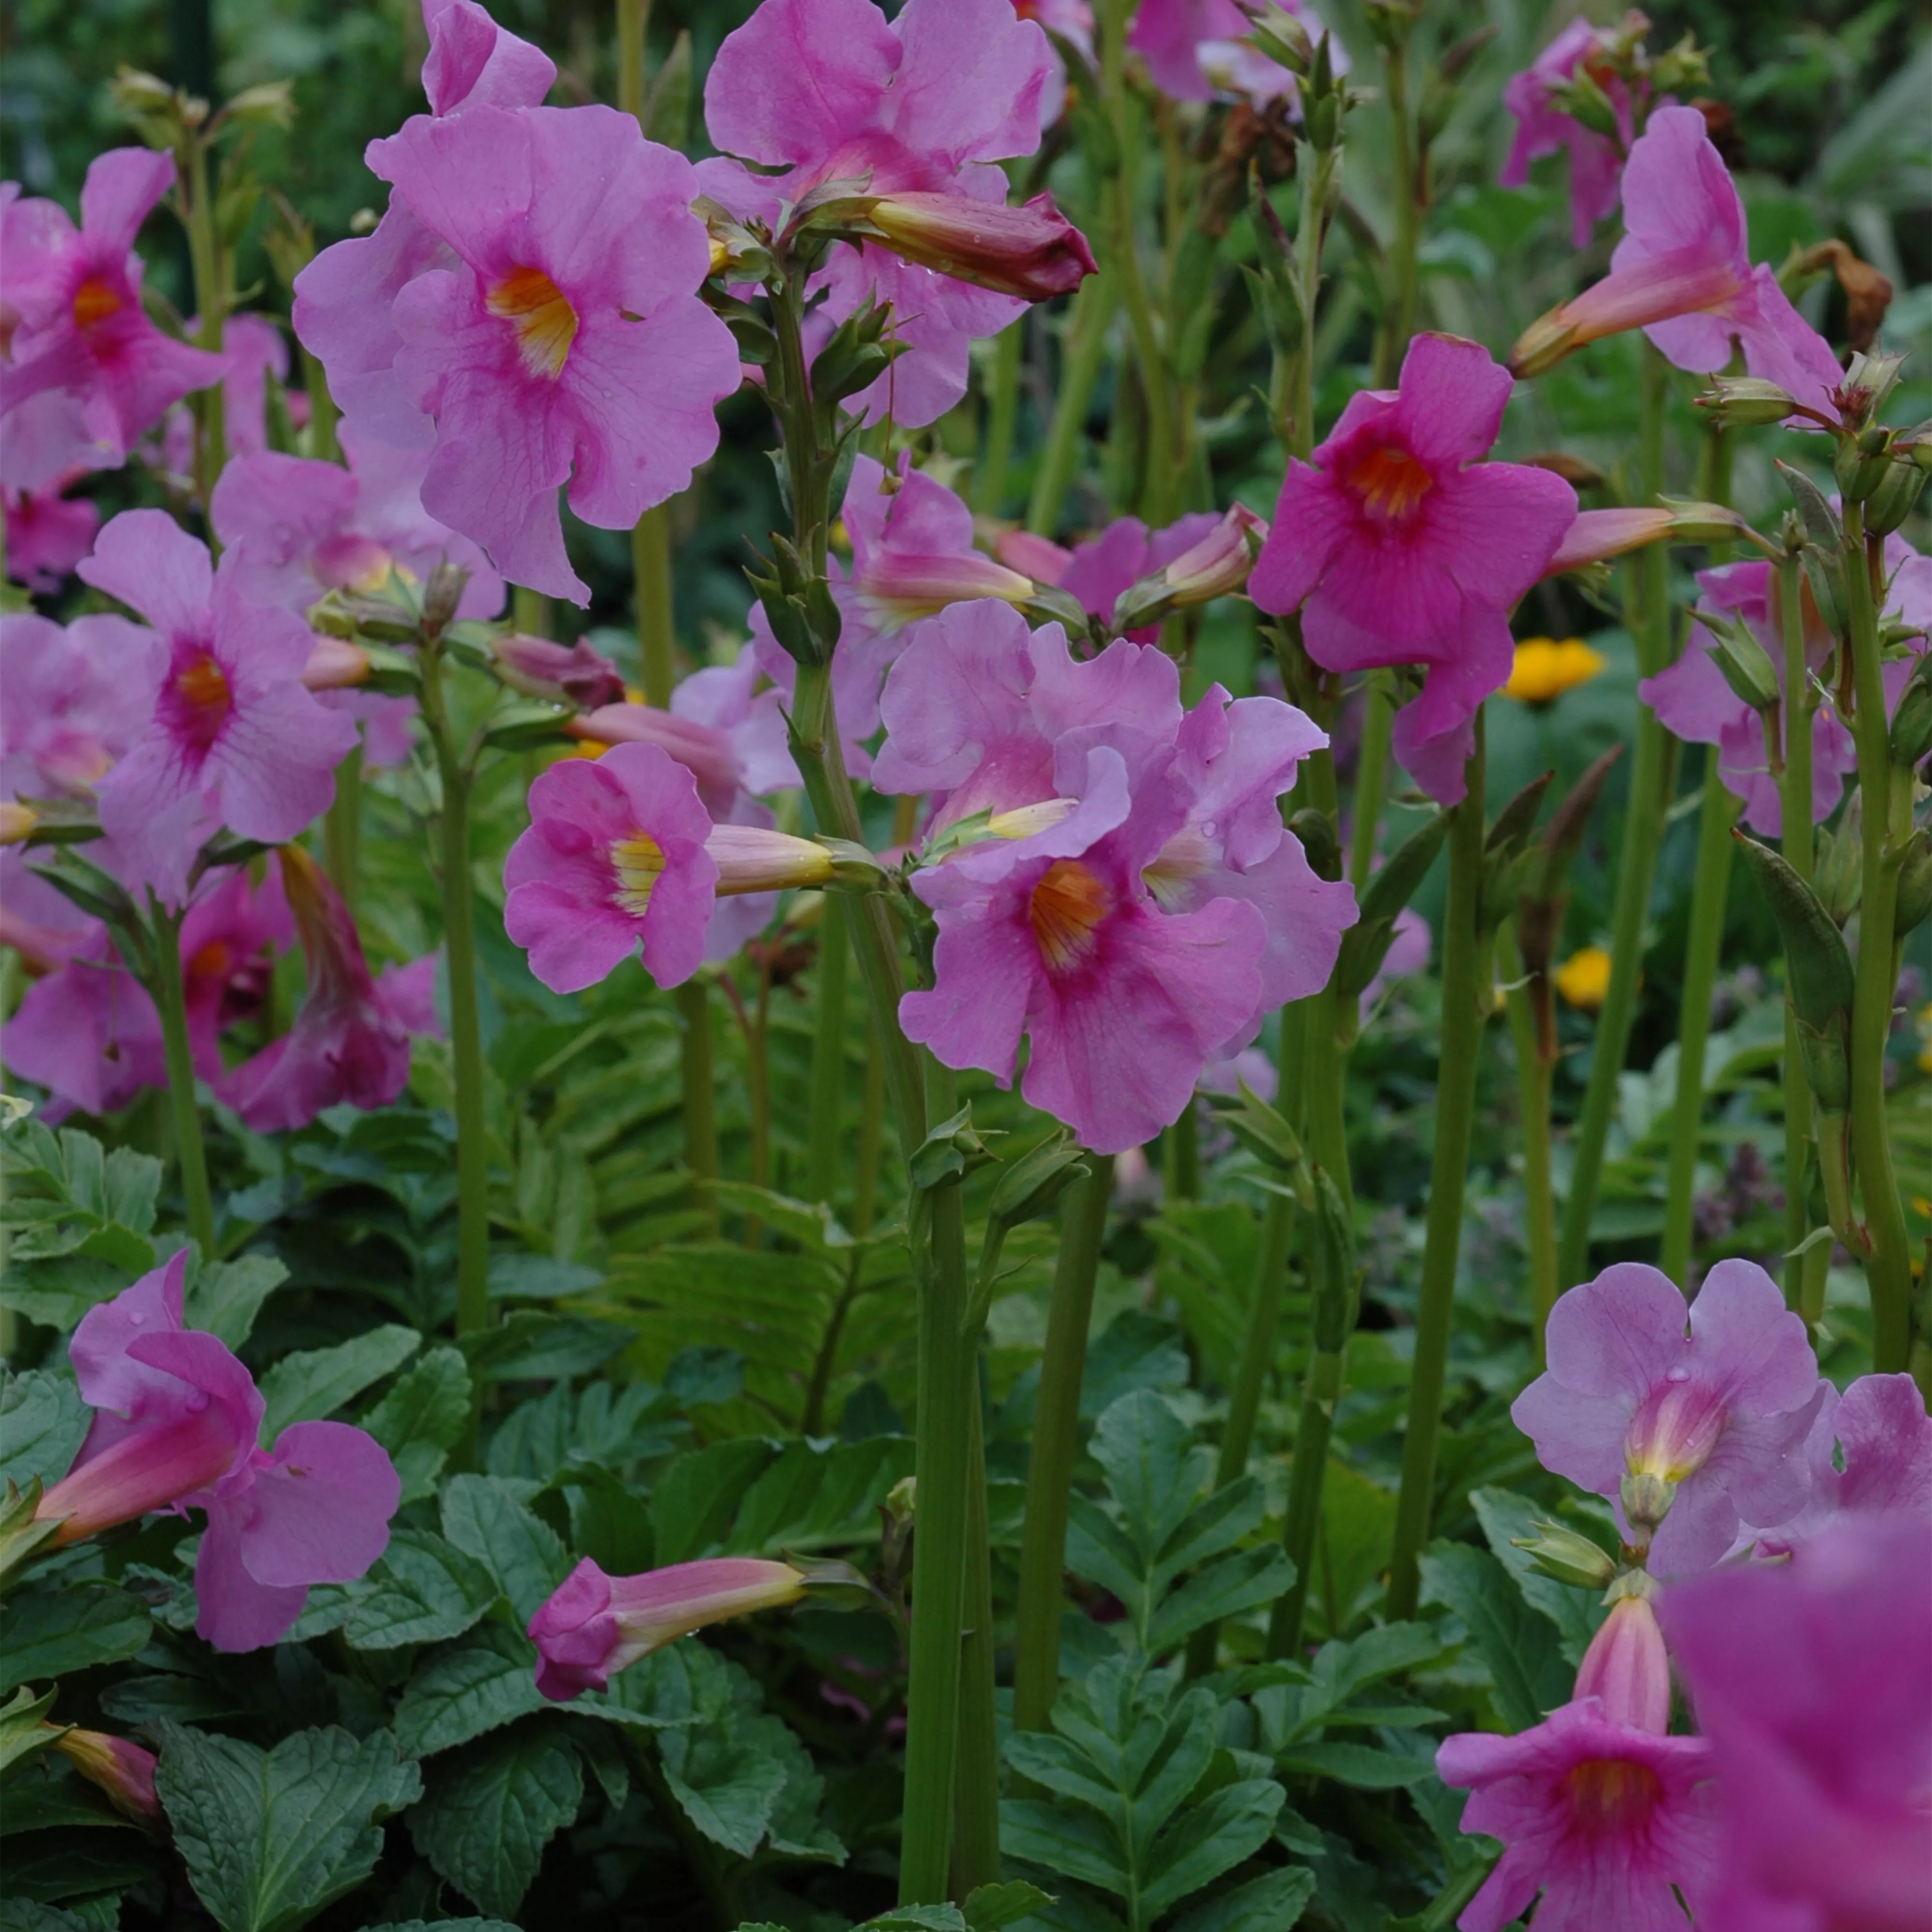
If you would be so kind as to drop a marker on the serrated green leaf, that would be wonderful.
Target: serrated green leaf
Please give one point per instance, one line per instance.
(694, 1501)
(22, 1732)
(817, 1495)
(421, 1589)
(1363, 1766)
(1077, 1844)
(1273, 1903)
(421, 1417)
(1208, 1840)
(725, 1785)
(225, 1297)
(1239, 1582)
(314, 1383)
(491, 1808)
(1519, 1644)
(531, 1345)
(43, 1421)
(461, 1693)
(48, 1630)
(481, 1516)
(990, 1908)
(270, 1838)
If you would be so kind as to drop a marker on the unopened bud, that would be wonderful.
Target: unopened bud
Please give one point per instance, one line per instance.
(1586, 103)
(1911, 722)
(1544, 343)
(1745, 402)
(335, 664)
(1646, 1499)
(1570, 1557)
(1894, 497)
(17, 822)
(1745, 663)
(123, 1770)
(752, 859)
(442, 595)
(269, 104)
(951, 1151)
(1028, 1187)
(1032, 251)
(1915, 885)
(573, 674)
(1218, 564)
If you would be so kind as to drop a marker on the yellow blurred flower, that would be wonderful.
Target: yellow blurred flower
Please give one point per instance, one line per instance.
(1546, 667)
(1584, 978)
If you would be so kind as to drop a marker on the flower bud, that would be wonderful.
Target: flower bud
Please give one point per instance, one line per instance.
(1894, 497)
(897, 589)
(1745, 663)
(442, 595)
(1911, 722)
(703, 750)
(1745, 402)
(1646, 1499)
(1030, 1186)
(1032, 251)
(573, 674)
(17, 822)
(269, 104)
(1915, 885)
(122, 1769)
(1628, 1666)
(751, 859)
(1567, 1556)
(1218, 564)
(335, 664)
(1586, 103)
(1543, 344)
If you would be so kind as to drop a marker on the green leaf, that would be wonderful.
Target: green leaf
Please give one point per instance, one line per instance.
(539, 1277)
(226, 1296)
(990, 1908)
(1519, 1644)
(1363, 1766)
(1575, 1612)
(1076, 1843)
(1238, 1583)
(421, 1418)
(1211, 1838)
(1273, 1903)
(445, 1925)
(22, 1732)
(693, 1502)
(487, 1681)
(271, 1837)
(1136, 1351)
(530, 1346)
(725, 1785)
(817, 1495)
(42, 1422)
(491, 1808)
(421, 1589)
(314, 1383)
(48, 1631)
(481, 1516)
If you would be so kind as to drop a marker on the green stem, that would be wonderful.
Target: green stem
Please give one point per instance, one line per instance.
(342, 831)
(211, 296)
(529, 611)
(1400, 325)
(1311, 231)
(466, 1037)
(650, 564)
(828, 1052)
(632, 16)
(1371, 776)
(1085, 345)
(976, 1799)
(1653, 780)
(989, 481)
(700, 1118)
(1535, 1073)
(171, 1003)
(1710, 886)
(1887, 827)
(1462, 1015)
(323, 445)
(1181, 1151)
(871, 1134)
(1055, 1437)
(1799, 847)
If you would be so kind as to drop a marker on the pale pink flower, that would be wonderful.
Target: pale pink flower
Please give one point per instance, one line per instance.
(1196, 49)
(1596, 161)
(83, 372)
(1098, 572)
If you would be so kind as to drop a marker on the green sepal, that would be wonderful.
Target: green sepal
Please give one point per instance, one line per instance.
(22, 1535)
(1365, 944)
(1819, 964)
(1259, 1128)
(951, 1151)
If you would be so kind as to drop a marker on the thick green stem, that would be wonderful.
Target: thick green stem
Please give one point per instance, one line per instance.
(632, 17)
(529, 611)
(1371, 776)
(1055, 1437)
(1887, 790)
(700, 1118)
(976, 1799)
(211, 296)
(1534, 1074)
(1084, 345)
(989, 479)
(1653, 781)
(1709, 890)
(1464, 1005)
(650, 564)
(466, 1037)
(1181, 1151)
(872, 1136)
(171, 1003)
(1400, 324)
(323, 446)
(1311, 231)
(342, 831)
(1799, 844)
(828, 1052)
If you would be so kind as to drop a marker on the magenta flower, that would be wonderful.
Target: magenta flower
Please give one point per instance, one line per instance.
(1693, 701)
(86, 373)
(47, 533)
(1596, 161)
(1720, 1414)
(175, 1426)
(301, 529)
(564, 346)
(1813, 1682)
(613, 863)
(1683, 274)
(1098, 572)
(1401, 547)
(977, 704)
(344, 299)
(122, 1770)
(233, 734)
(1196, 49)
(1597, 1809)
(1058, 935)
(596, 1625)
(350, 1042)
(831, 91)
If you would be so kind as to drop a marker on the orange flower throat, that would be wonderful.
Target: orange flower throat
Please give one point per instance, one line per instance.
(1390, 482)
(1065, 911)
(545, 323)
(93, 302)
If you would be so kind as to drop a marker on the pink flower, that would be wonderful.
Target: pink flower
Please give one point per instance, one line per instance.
(76, 701)
(86, 373)
(1813, 1682)
(613, 863)
(563, 346)
(175, 1426)
(1098, 572)
(350, 1042)
(1058, 935)
(575, 674)
(1597, 1809)
(1196, 49)
(233, 734)
(1719, 1414)
(1403, 548)
(344, 299)
(596, 1625)
(47, 533)
(302, 529)
(1693, 701)
(123, 1770)
(1032, 251)
(1596, 161)
(831, 91)
(1068, 20)
(1683, 274)
(252, 349)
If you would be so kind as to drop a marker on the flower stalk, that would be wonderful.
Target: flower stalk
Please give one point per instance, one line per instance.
(1084, 345)
(171, 1003)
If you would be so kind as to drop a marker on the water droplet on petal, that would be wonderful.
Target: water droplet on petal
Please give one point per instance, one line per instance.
(1678, 1376)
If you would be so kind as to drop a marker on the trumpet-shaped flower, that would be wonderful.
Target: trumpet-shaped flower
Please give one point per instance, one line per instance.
(1058, 936)
(564, 347)
(47, 533)
(175, 1427)
(86, 373)
(596, 1625)
(1719, 1413)
(301, 529)
(350, 1043)
(1813, 1682)
(1401, 547)
(1683, 274)
(1099, 571)
(233, 735)
(827, 91)
(1694, 700)
(1542, 128)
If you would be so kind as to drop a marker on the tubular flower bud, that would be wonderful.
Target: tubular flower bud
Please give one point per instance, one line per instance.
(751, 859)
(1032, 251)
(1218, 564)
(572, 674)
(1597, 535)
(335, 664)
(596, 1625)
(703, 750)
(898, 588)
(1627, 1666)
(122, 1769)
(1745, 402)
